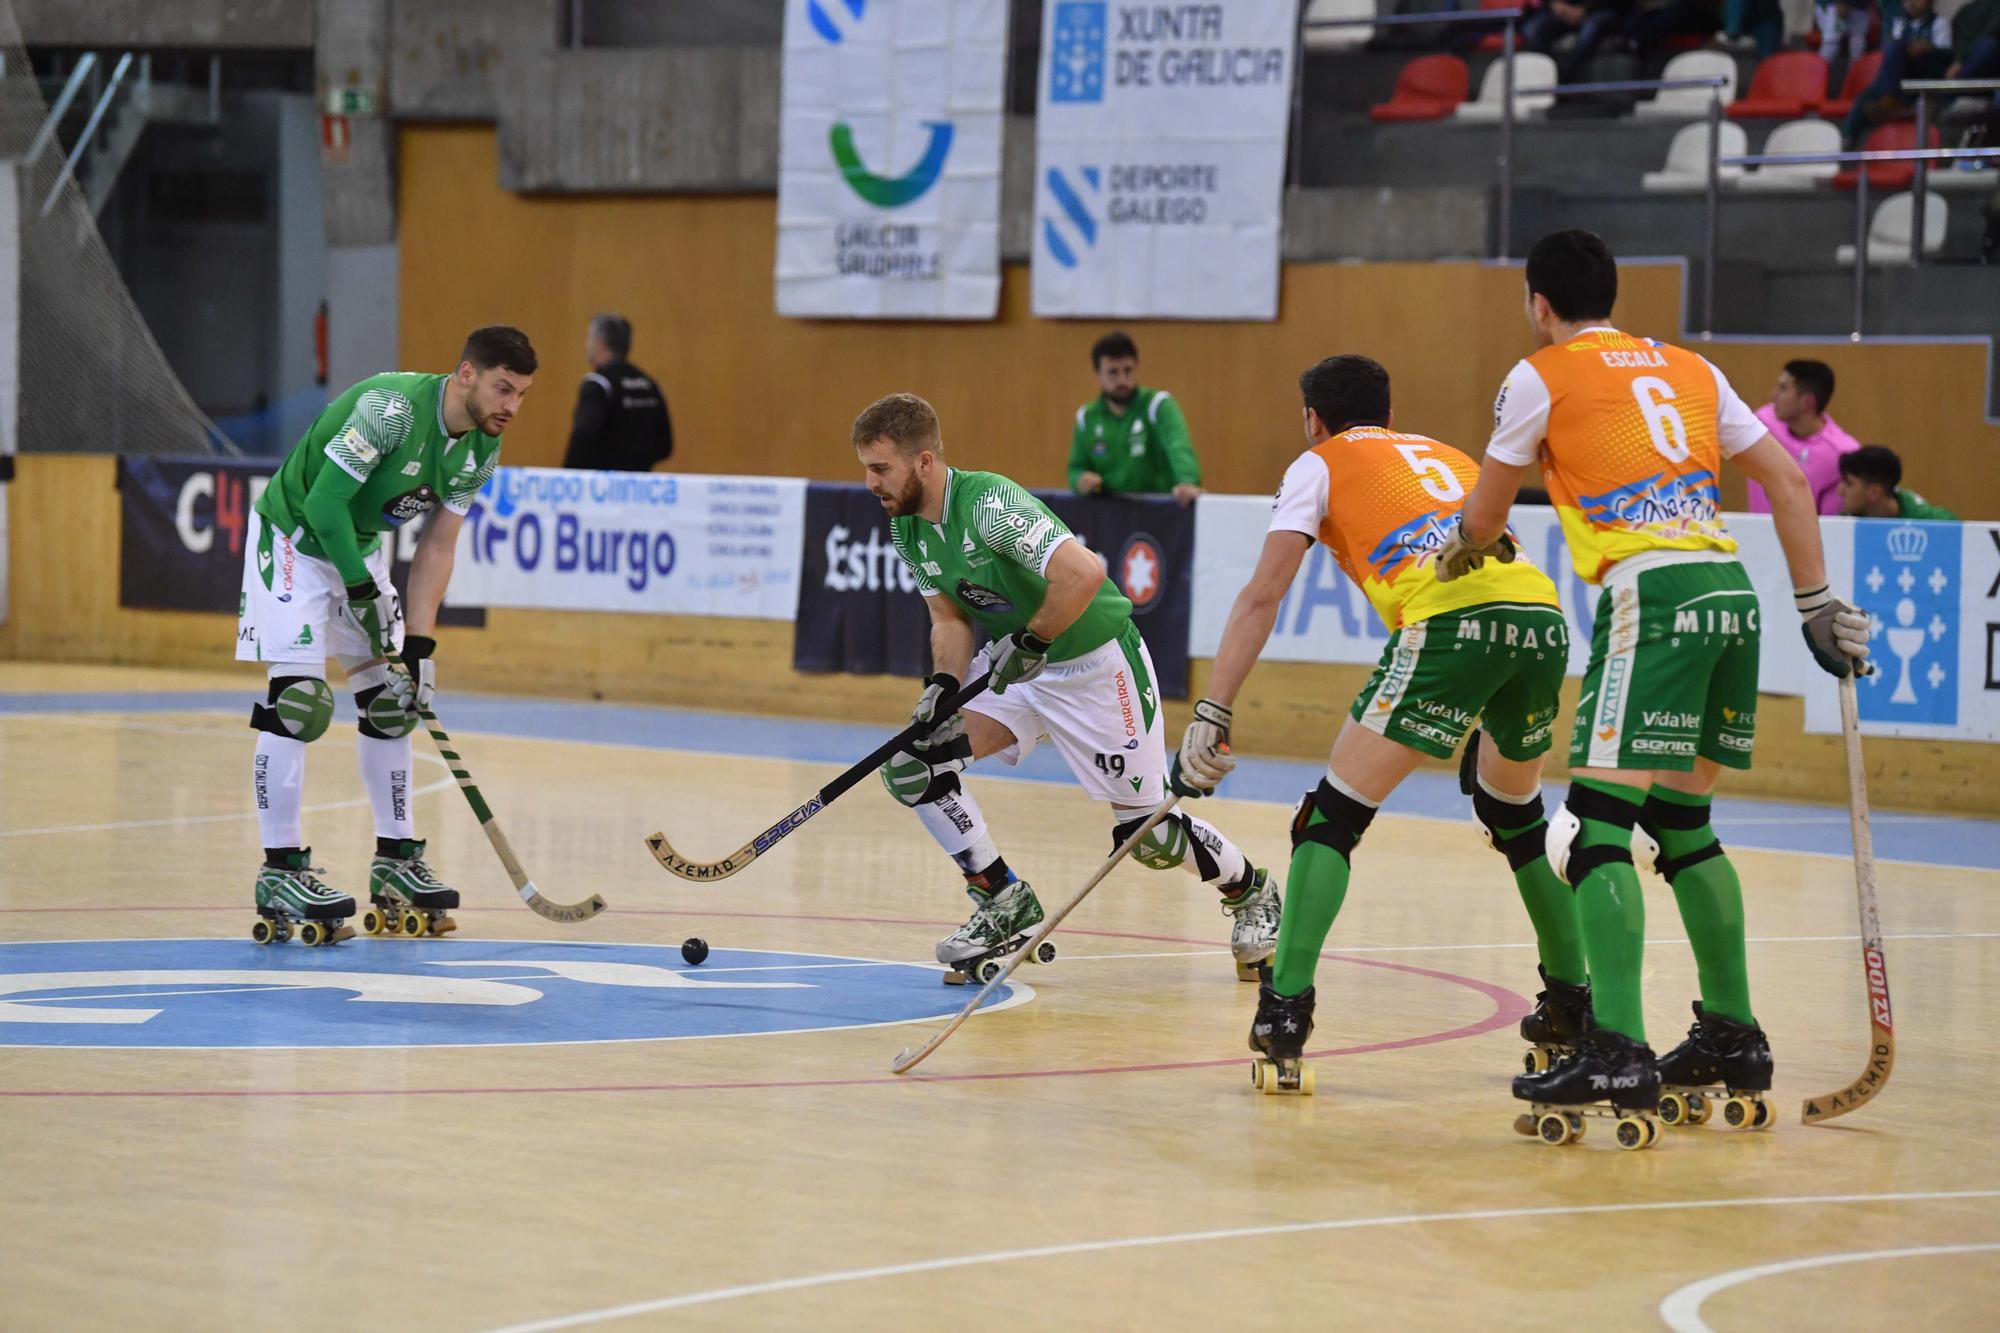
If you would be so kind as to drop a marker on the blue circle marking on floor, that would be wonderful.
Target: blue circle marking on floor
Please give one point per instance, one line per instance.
(217, 994)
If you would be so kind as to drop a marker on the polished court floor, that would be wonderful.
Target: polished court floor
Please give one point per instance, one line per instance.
(527, 1125)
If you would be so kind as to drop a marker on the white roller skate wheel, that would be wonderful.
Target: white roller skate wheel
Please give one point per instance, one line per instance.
(1045, 952)
(989, 970)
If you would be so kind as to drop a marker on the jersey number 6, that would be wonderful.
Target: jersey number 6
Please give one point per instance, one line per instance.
(1436, 476)
(1663, 419)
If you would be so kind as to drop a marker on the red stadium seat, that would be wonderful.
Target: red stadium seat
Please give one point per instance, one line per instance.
(1887, 177)
(1785, 87)
(1493, 41)
(1428, 88)
(1859, 75)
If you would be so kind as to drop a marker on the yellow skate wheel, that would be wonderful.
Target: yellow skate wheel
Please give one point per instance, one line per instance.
(1536, 1061)
(1269, 1086)
(1257, 1074)
(1737, 1112)
(1306, 1081)
(1577, 1125)
(1632, 1134)
(413, 923)
(311, 933)
(373, 922)
(1552, 1129)
(1699, 1110)
(1674, 1109)
(261, 931)
(1765, 1115)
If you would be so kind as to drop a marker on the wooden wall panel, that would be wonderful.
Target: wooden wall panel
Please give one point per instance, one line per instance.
(755, 393)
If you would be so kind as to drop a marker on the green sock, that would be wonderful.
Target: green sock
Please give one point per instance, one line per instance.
(1612, 913)
(1551, 906)
(1711, 902)
(1314, 890)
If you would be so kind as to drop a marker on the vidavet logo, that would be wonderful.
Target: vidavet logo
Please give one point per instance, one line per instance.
(826, 18)
(1077, 228)
(891, 191)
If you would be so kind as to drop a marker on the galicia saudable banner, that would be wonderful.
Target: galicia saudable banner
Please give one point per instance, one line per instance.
(1160, 158)
(889, 159)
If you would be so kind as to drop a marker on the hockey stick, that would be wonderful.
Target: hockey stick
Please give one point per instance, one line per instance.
(910, 1058)
(568, 913)
(1882, 1051)
(703, 871)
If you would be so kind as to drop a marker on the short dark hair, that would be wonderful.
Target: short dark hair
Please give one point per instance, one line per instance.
(1574, 271)
(1116, 343)
(1815, 378)
(615, 332)
(500, 345)
(907, 421)
(1873, 462)
(1347, 391)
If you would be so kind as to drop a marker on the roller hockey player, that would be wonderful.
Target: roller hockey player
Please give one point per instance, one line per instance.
(1067, 663)
(316, 580)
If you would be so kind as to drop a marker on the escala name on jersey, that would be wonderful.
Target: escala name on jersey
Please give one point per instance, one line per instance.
(1646, 358)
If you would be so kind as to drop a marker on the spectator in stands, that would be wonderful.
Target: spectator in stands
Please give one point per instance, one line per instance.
(1916, 44)
(1797, 418)
(621, 422)
(1656, 21)
(1587, 22)
(1130, 440)
(1759, 25)
(1976, 50)
(1871, 480)
(1842, 24)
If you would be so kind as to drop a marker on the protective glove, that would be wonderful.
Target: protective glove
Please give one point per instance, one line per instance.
(1018, 657)
(1459, 557)
(1836, 632)
(421, 668)
(939, 687)
(372, 613)
(1204, 758)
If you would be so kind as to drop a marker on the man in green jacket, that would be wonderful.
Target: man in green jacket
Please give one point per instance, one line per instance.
(1130, 440)
(1871, 486)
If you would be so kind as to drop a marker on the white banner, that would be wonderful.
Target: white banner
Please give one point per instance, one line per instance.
(1325, 618)
(1160, 158)
(1932, 591)
(889, 159)
(562, 540)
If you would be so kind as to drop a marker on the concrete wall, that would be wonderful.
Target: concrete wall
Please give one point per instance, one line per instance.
(202, 24)
(683, 23)
(363, 286)
(464, 59)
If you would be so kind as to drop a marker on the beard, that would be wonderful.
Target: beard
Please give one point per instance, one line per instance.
(1123, 397)
(903, 503)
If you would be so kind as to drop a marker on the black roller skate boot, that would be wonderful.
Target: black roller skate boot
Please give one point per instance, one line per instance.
(1609, 1075)
(1278, 1035)
(1560, 1018)
(1723, 1061)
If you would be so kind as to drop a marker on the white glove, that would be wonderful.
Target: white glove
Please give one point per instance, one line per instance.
(419, 674)
(938, 690)
(371, 612)
(1204, 759)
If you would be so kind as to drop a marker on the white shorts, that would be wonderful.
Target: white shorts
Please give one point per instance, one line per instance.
(1102, 711)
(289, 612)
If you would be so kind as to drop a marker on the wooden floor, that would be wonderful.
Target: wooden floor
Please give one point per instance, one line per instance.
(1092, 1156)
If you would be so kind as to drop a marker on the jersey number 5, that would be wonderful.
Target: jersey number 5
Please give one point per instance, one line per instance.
(1435, 475)
(1663, 419)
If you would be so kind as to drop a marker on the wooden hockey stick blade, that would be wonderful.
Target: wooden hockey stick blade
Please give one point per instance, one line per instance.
(709, 871)
(909, 1057)
(1875, 971)
(566, 913)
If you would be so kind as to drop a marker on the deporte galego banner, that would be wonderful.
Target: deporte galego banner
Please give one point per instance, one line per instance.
(1160, 158)
(889, 159)
(632, 541)
(859, 609)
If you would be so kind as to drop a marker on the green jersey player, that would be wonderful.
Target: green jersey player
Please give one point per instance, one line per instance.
(316, 580)
(1067, 664)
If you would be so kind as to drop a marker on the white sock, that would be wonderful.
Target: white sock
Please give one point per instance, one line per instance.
(1231, 866)
(279, 780)
(958, 826)
(385, 771)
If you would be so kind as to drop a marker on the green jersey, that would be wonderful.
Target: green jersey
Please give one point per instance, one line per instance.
(1911, 505)
(988, 554)
(375, 459)
(1145, 448)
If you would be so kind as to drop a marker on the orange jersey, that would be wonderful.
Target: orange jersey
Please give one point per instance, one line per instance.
(1631, 434)
(1384, 502)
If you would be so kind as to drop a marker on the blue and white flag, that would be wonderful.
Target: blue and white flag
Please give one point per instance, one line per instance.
(1160, 158)
(889, 159)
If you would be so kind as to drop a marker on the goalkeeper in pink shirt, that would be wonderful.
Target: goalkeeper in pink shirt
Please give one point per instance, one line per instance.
(1797, 418)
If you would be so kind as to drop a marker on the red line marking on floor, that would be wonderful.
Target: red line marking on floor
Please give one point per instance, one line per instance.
(1508, 1008)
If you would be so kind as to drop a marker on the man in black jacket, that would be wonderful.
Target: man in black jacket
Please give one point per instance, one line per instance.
(621, 422)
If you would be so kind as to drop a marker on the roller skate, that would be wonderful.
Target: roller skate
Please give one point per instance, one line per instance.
(1278, 1035)
(1721, 1051)
(1560, 1017)
(290, 893)
(1254, 937)
(408, 898)
(1609, 1075)
(999, 929)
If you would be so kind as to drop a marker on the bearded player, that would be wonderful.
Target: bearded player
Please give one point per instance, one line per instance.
(1066, 662)
(316, 581)
(1630, 434)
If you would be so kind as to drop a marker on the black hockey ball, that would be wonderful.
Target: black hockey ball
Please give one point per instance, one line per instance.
(695, 950)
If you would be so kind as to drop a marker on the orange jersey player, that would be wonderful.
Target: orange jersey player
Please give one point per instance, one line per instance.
(1490, 646)
(1630, 434)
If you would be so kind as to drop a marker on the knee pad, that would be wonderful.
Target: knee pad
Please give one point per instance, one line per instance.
(1658, 815)
(917, 779)
(1165, 845)
(1502, 822)
(1346, 819)
(1570, 862)
(381, 716)
(299, 708)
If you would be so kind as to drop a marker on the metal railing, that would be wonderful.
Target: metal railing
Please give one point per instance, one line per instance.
(105, 98)
(1918, 155)
(1925, 89)
(1509, 42)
